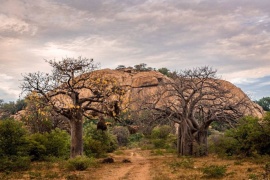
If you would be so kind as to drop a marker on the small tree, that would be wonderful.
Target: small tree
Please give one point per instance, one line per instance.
(265, 103)
(13, 140)
(164, 71)
(73, 90)
(121, 67)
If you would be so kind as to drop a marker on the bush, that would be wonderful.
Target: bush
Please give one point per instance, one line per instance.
(53, 144)
(13, 140)
(214, 171)
(250, 138)
(58, 144)
(79, 163)
(94, 148)
(122, 135)
(135, 137)
(161, 132)
(223, 145)
(159, 143)
(184, 162)
(97, 143)
(161, 137)
(37, 146)
(15, 163)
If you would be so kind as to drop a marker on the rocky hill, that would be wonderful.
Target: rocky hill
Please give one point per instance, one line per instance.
(141, 84)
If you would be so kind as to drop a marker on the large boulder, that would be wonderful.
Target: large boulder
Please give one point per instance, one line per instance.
(143, 84)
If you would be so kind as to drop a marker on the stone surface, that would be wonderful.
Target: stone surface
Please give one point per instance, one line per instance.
(142, 84)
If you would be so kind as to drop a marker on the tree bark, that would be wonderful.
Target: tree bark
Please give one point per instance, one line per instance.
(201, 139)
(184, 140)
(76, 128)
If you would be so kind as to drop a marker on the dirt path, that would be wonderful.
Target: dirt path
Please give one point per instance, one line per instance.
(138, 168)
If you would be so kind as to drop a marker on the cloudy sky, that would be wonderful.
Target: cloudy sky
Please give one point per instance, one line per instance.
(230, 36)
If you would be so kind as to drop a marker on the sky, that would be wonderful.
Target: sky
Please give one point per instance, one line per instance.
(230, 36)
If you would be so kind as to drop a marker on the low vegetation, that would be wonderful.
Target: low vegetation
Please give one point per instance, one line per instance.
(250, 138)
(45, 156)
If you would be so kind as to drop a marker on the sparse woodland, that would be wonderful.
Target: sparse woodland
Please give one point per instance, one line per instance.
(74, 117)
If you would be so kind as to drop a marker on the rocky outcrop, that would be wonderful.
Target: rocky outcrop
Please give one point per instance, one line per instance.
(254, 109)
(146, 83)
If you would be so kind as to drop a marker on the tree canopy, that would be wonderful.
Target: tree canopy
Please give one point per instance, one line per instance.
(265, 103)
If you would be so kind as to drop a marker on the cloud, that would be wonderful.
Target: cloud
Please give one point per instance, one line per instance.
(14, 26)
(7, 90)
(256, 88)
(231, 36)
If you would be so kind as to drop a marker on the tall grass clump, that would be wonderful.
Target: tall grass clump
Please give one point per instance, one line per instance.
(79, 163)
(214, 171)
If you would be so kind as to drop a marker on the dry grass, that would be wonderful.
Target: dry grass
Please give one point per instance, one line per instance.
(159, 167)
(163, 169)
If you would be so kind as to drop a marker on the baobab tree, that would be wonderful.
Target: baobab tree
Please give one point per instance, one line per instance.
(193, 99)
(75, 91)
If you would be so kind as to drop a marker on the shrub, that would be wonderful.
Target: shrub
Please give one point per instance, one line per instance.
(224, 145)
(161, 132)
(161, 137)
(250, 138)
(159, 143)
(13, 146)
(135, 137)
(53, 144)
(58, 144)
(97, 143)
(79, 163)
(94, 148)
(122, 135)
(37, 146)
(252, 177)
(35, 175)
(214, 171)
(15, 163)
(13, 140)
(184, 162)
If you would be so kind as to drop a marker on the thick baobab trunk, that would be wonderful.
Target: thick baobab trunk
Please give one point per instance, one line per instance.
(201, 139)
(184, 140)
(76, 148)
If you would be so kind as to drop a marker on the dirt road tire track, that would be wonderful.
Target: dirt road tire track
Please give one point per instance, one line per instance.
(138, 169)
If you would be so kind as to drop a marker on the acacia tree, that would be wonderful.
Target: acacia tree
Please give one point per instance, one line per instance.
(75, 91)
(194, 99)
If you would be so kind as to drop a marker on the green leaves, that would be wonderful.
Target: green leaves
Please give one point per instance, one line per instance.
(13, 140)
(250, 137)
(265, 103)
